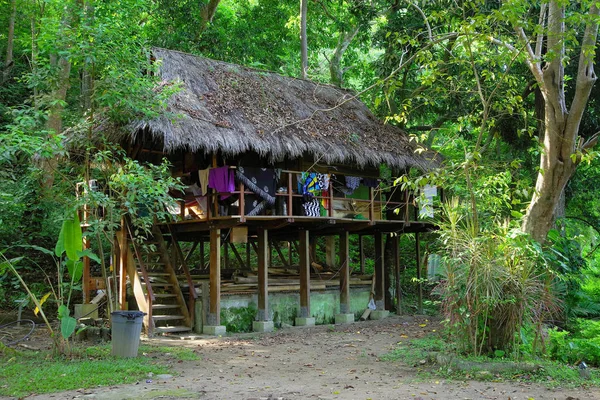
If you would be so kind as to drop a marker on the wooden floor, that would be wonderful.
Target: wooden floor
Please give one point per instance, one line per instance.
(284, 226)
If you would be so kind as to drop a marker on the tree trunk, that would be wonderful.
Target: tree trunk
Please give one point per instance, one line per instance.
(10, 42)
(207, 12)
(303, 40)
(335, 66)
(562, 147)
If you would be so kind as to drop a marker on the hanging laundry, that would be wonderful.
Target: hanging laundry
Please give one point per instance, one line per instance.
(203, 178)
(221, 179)
(352, 182)
(371, 182)
(325, 199)
(261, 182)
(311, 207)
(308, 183)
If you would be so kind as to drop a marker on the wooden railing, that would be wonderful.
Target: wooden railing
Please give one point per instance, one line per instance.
(373, 207)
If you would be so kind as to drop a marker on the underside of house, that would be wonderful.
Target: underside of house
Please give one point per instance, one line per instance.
(274, 166)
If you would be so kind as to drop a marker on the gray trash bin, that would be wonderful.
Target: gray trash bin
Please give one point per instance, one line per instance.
(126, 330)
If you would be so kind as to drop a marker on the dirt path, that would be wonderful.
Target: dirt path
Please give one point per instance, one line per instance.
(313, 363)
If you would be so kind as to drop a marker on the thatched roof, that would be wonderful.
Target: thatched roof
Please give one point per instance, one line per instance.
(236, 109)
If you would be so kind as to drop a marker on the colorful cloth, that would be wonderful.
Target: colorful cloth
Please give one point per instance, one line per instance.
(221, 179)
(261, 182)
(203, 175)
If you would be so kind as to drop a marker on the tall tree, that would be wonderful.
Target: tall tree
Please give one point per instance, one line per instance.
(562, 146)
(8, 61)
(303, 40)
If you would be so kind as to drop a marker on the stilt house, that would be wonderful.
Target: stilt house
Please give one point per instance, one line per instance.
(272, 163)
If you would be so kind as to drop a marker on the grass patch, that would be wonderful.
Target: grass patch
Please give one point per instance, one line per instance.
(424, 353)
(25, 373)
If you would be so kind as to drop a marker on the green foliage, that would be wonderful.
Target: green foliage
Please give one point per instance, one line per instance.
(431, 355)
(494, 283)
(27, 373)
(572, 348)
(239, 319)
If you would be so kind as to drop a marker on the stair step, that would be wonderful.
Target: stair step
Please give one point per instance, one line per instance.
(167, 317)
(172, 329)
(164, 306)
(152, 273)
(160, 284)
(152, 263)
(164, 295)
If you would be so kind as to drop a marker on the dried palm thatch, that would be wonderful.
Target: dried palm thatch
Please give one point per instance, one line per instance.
(234, 109)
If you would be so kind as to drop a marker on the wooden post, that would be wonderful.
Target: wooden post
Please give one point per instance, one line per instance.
(330, 251)
(248, 266)
(242, 203)
(418, 260)
(214, 314)
(304, 250)
(396, 244)
(289, 195)
(344, 273)
(225, 245)
(86, 260)
(123, 257)
(379, 272)
(201, 253)
(263, 284)
(371, 204)
(361, 253)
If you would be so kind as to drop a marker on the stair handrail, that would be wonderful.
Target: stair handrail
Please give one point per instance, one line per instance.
(149, 292)
(192, 296)
(183, 265)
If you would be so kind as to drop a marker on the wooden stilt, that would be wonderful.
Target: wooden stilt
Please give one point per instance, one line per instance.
(304, 251)
(123, 257)
(396, 244)
(202, 264)
(418, 260)
(361, 252)
(344, 254)
(248, 266)
(263, 292)
(379, 272)
(214, 315)
(330, 251)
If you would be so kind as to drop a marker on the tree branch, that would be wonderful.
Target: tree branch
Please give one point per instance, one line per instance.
(586, 77)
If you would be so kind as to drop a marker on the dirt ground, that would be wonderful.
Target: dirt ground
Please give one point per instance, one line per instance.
(322, 362)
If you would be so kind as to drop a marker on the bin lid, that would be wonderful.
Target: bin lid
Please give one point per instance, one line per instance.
(128, 314)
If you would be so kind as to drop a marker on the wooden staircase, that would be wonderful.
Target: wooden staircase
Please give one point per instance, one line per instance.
(155, 277)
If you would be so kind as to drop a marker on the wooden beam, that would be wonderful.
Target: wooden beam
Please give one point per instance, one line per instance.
(263, 268)
(304, 252)
(275, 245)
(214, 314)
(237, 255)
(379, 272)
(344, 254)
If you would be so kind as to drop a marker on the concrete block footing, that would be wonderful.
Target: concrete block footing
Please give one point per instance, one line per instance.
(214, 330)
(305, 321)
(344, 318)
(263, 326)
(379, 314)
